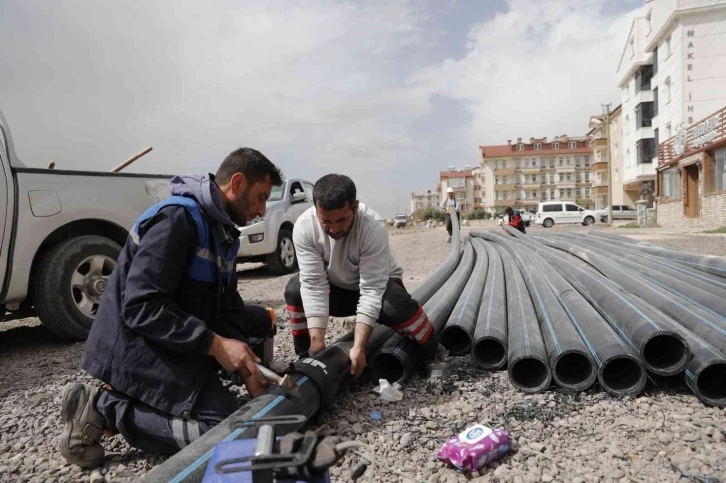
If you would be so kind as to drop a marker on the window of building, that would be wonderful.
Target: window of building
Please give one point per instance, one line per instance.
(552, 194)
(504, 195)
(562, 193)
(555, 145)
(497, 194)
(537, 146)
(496, 180)
(577, 160)
(668, 90)
(561, 177)
(648, 19)
(552, 178)
(587, 177)
(569, 193)
(587, 160)
(671, 183)
(520, 147)
(579, 177)
(587, 192)
(573, 144)
(552, 162)
(496, 164)
(569, 176)
(569, 160)
(579, 192)
(504, 164)
(718, 171)
(560, 161)
(667, 45)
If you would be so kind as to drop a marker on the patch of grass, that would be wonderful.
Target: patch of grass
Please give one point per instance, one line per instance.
(632, 224)
(716, 230)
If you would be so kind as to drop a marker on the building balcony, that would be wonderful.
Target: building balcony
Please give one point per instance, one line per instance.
(504, 187)
(531, 170)
(643, 133)
(565, 184)
(504, 171)
(599, 166)
(531, 186)
(505, 202)
(599, 190)
(643, 96)
(599, 143)
(566, 169)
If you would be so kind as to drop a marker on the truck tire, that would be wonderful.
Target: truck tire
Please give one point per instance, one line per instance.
(548, 222)
(68, 282)
(284, 260)
(589, 220)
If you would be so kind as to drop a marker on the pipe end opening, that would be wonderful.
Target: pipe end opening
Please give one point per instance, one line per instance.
(387, 366)
(456, 340)
(575, 371)
(711, 383)
(666, 354)
(489, 353)
(623, 376)
(530, 374)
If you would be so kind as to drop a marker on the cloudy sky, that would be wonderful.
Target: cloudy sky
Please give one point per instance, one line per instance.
(386, 92)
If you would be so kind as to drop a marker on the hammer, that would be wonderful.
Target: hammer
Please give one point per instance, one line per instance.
(286, 383)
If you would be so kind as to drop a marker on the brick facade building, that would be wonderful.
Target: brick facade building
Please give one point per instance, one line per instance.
(692, 174)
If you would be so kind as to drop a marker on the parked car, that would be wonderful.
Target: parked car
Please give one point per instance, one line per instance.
(620, 212)
(269, 239)
(62, 234)
(401, 221)
(527, 217)
(551, 212)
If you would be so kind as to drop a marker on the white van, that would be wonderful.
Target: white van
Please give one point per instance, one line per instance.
(551, 212)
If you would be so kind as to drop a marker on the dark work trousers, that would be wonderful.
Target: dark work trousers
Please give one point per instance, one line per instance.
(151, 430)
(399, 311)
(448, 222)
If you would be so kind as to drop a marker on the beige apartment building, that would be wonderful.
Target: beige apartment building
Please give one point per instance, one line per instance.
(602, 172)
(422, 200)
(522, 174)
(468, 185)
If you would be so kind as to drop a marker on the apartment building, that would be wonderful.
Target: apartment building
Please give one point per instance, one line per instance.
(468, 185)
(672, 72)
(422, 200)
(603, 172)
(522, 174)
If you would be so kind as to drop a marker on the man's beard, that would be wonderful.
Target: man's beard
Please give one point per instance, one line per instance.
(240, 209)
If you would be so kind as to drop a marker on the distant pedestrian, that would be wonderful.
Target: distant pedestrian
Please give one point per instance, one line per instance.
(515, 219)
(449, 203)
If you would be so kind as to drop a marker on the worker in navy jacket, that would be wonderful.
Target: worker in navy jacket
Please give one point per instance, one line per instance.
(171, 316)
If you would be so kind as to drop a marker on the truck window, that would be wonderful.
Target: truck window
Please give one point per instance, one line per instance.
(308, 190)
(275, 194)
(570, 207)
(552, 208)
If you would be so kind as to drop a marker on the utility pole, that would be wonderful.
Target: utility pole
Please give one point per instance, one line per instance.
(606, 107)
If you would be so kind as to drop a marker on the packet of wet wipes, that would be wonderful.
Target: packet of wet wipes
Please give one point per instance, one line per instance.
(475, 447)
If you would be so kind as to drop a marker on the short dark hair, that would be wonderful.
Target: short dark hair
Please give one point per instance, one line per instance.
(508, 209)
(333, 190)
(251, 163)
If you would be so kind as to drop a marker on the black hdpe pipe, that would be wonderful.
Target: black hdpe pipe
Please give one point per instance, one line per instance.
(489, 345)
(707, 263)
(570, 361)
(706, 371)
(675, 269)
(702, 293)
(395, 361)
(644, 328)
(527, 363)
(457, 332)
(611, 236)
(620, 371)
(703, 323)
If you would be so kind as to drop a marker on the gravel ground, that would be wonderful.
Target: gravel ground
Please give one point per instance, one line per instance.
(558, 436)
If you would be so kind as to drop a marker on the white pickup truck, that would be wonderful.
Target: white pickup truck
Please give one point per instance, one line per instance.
(61, 232)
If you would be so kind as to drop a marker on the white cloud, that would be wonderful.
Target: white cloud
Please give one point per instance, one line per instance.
(540, 69)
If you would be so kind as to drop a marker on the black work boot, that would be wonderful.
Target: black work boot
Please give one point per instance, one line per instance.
(83, 426)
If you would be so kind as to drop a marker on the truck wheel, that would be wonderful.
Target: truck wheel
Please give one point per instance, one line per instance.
(547, 223)
(284, 260)
(589, 220)
(68, 282)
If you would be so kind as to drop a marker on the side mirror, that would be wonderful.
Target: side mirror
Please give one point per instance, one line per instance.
(299, 196)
